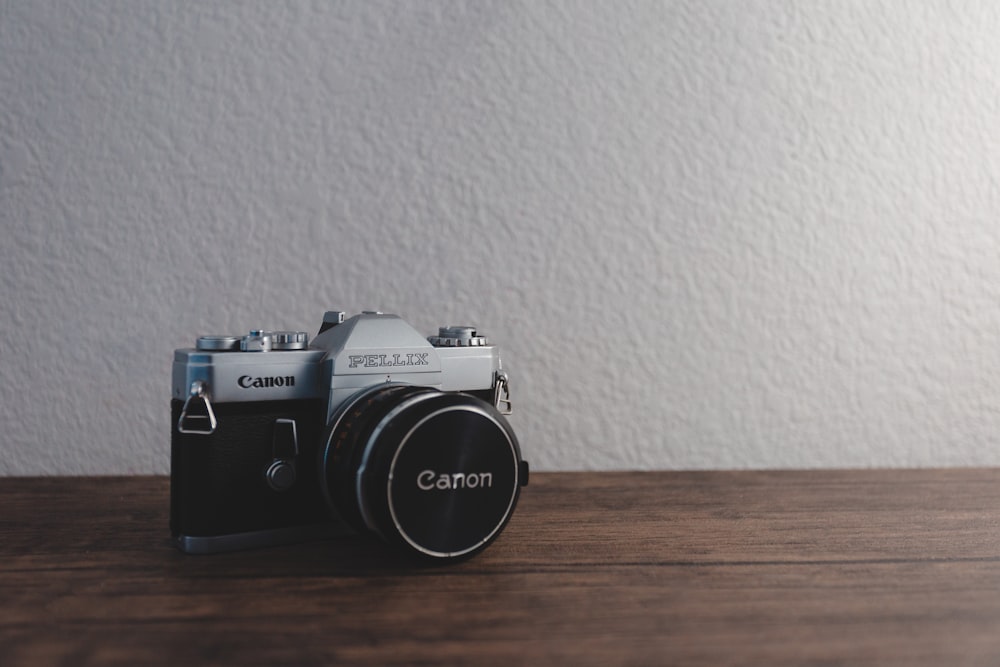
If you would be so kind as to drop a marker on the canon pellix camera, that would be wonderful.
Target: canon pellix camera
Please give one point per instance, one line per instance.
(369, 427)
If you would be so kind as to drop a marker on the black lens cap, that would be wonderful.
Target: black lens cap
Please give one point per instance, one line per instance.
(439, 475)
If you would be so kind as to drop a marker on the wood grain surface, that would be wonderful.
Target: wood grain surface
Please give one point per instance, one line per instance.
(685, 568)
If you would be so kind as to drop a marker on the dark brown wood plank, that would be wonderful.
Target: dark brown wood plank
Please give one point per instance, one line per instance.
(713, 568)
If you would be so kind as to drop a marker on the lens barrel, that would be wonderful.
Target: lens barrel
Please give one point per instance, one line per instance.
(435, 473)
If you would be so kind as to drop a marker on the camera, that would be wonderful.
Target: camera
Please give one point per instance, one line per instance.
(370, 427)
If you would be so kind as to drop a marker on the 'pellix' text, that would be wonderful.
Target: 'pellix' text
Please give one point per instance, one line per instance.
(387, 360)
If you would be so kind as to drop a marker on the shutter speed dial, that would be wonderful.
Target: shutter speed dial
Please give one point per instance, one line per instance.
(457, 336)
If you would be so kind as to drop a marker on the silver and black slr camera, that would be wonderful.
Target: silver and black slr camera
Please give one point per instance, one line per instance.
(370, 427)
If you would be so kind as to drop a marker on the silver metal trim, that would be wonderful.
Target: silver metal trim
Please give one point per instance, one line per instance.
(196, 544)
(225, 370)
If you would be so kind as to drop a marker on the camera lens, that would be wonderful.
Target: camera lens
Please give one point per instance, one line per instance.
(436, 473)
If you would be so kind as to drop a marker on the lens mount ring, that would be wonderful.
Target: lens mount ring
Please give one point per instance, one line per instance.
(340, 448)
(360, 475)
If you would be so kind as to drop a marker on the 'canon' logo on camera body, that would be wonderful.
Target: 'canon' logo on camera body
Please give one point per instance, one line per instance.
(250, 382)
(429, 480)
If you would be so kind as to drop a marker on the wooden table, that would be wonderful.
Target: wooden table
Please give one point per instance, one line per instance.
(700, 568)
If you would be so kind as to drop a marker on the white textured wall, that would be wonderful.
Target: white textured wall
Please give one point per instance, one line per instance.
(707, 234)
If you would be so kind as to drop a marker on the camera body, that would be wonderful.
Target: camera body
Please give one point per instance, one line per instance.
(369, 427)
